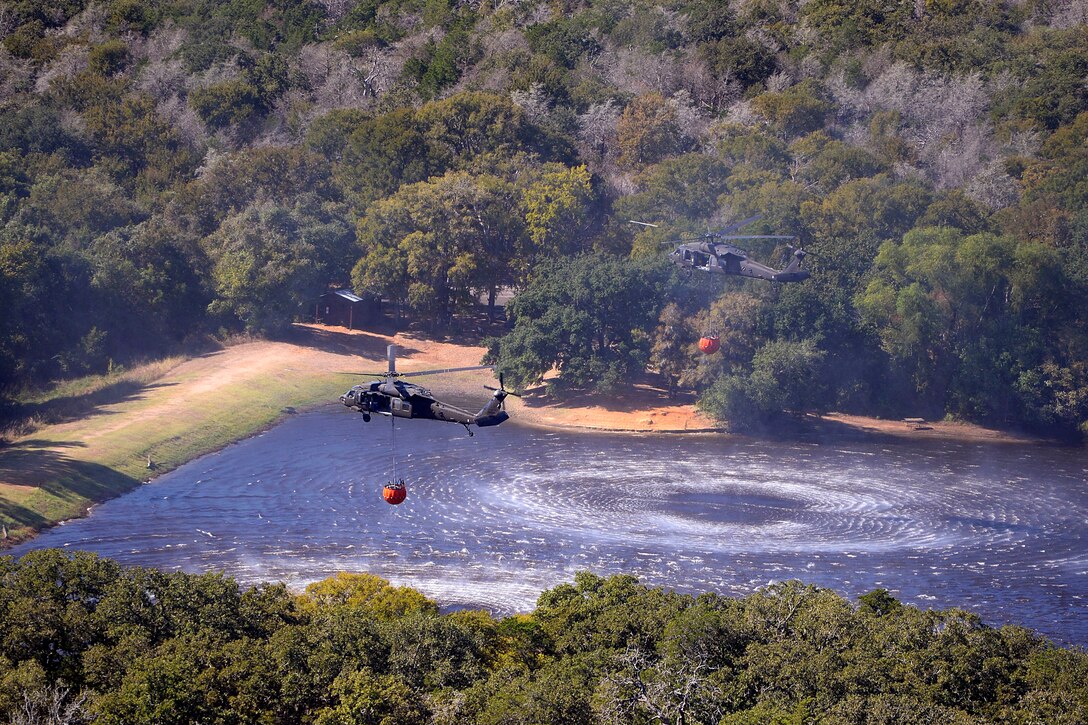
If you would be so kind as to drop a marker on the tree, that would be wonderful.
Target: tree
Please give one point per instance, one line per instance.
(270, 262)
(786, 377)
(367, 593)
(795, 111)
(648, 131)
(226, 104)
(587, 316)
(557, 209)
(365, 698)
(671, 352)
(436, 244)
(681, 189)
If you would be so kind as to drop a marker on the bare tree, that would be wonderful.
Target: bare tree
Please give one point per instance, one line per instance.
(779, 82)
(71, 61)
(597, 130)
(162, 79)
(339, 80)
(164, 42)
(8, 21)
(709, 90)
(944, 118)
(743, 114)
(183, 119)
(637, 72)
(534, 102)
(498, 46)
(89, 24)
(1069, 14)
(666, 690)
(336, 9)
(51, 705)
(994, 187)
(693, 125)
(15, 74)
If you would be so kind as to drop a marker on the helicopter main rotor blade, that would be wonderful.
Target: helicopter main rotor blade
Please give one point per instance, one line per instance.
(645, 224)
(757, 236)
(444, 370)
(719, 236)
(686, 240)
(738, 225)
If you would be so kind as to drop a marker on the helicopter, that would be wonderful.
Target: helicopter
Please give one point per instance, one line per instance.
(397, 399)
(713, 253)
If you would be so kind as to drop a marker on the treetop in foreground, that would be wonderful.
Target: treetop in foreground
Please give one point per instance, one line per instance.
(83, 636)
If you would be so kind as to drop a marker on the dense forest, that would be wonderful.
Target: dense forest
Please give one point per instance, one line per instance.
(182, 168)
(83, 639)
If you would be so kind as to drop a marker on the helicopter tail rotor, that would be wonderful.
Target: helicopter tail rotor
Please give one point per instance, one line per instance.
(494, 412)
(501, 392)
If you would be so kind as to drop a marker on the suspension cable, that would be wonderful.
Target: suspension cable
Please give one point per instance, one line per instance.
(393, 445)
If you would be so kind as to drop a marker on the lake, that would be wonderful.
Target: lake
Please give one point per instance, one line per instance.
(493, 520)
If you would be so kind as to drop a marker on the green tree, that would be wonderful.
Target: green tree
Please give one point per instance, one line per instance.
(366, 698)
(436, 244)
(786, 377)
(557, 209)
(590, 317)
(269, 262)
(795, 111)
(367, 593)
(648, 131)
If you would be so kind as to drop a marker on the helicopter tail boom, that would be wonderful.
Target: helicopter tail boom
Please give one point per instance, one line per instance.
(793, 271)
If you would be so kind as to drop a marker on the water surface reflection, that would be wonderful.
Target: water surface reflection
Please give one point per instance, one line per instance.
(493, 520)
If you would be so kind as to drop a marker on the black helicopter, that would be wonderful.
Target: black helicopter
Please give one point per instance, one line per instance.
(398, 399)
(712, 252)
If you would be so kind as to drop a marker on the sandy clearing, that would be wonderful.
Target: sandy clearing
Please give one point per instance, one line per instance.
(917, 428)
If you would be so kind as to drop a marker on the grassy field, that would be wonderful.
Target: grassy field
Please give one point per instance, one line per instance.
(90, 440)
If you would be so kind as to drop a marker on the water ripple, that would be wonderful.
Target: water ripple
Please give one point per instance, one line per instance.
(492, 520)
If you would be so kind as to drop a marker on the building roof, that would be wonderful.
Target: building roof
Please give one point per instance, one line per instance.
(349, 296)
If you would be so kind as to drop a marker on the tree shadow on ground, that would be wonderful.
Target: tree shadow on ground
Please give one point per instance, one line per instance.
(473, 330)
(812, 428)
(24, 418)
(72, 484)
(644, 392)
(367, 344)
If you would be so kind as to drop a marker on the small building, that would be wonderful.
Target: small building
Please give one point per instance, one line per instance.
(347, 309)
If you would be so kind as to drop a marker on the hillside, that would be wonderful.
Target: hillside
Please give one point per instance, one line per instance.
(189, 168)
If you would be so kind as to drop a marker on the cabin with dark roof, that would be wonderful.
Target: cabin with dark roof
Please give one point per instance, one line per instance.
(347, 309)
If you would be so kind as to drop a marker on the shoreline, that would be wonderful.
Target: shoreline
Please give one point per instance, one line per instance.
(210, 401)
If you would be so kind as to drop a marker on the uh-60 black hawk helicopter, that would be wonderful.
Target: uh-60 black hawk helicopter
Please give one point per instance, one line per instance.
(393, 397)
(712, 252)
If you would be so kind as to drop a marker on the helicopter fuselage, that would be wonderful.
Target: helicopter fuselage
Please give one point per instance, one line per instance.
(406, 400)
(723, 258)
